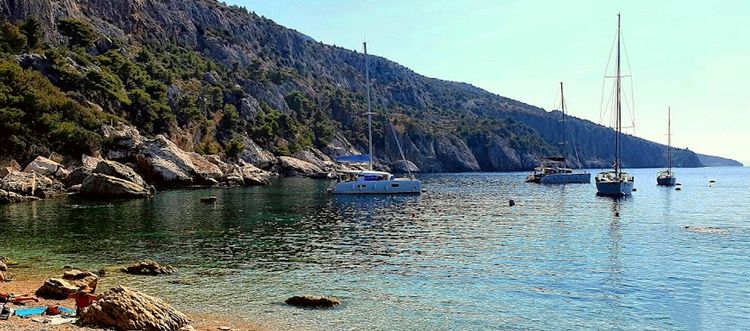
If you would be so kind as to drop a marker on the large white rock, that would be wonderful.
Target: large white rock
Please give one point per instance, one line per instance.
(315, 157)
(46, 167)
(119, 170)
(253, 153)
(24, 183)
(291, 166)
(104, 186)
(166, 163)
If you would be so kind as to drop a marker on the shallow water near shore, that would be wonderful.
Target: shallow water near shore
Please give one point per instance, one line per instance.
(456, 257)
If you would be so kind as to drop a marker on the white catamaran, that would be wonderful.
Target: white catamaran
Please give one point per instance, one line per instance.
(615, 182)
(370, 181)
(666, 177)
(553, 170)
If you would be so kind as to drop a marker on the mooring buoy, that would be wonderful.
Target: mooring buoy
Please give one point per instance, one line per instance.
(511, 203)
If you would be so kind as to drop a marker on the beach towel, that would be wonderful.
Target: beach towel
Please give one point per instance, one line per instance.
(33, 311)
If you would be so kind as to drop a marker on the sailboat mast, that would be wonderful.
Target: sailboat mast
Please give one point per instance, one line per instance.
(369, 112)
(618, 105)
(669, 138)
(562, 101)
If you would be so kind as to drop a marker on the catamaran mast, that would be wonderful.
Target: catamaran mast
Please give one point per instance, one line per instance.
(562, 101)
(618, 105)
(669, 138)
(369, 112)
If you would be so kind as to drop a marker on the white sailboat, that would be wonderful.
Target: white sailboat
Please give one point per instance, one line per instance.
(616, 182)
(370, 181)
(666, 177)
(552, 170)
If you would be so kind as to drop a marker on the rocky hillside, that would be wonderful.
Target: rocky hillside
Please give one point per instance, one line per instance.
(715, 161)
(219, 79)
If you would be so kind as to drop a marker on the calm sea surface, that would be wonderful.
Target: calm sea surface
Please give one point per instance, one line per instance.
(457, 257)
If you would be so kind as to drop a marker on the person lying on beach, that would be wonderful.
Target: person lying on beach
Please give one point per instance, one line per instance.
(83, 298)
(17, 299)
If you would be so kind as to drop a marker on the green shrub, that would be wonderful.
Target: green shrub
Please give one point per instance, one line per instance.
(78, 32)
(11, 39)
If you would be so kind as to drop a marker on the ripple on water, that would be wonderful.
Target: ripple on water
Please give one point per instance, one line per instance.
(457, 257)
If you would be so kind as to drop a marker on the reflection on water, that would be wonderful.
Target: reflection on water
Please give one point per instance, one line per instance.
(456, 257)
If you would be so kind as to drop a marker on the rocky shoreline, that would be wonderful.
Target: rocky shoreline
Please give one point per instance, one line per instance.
(115, 303)
(132, 166)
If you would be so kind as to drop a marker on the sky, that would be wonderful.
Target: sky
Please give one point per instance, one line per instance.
(692, 56)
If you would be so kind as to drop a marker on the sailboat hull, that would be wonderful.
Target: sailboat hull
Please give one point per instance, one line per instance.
(389, 186)
(666, 181)
(614, 189)
(582, 178)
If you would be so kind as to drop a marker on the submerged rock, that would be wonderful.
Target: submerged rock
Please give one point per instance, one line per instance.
(149, 268)
(122, 308)
(705, 229)
(11, 197)
(104, 186)
(312, 301)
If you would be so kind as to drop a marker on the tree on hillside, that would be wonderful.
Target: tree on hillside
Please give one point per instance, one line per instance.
(32, 29)
(11, 39)
(79, 33)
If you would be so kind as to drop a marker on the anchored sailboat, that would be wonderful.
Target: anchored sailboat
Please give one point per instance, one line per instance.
(666, 177)
(552, 170)
(370, 181)
(616, 182)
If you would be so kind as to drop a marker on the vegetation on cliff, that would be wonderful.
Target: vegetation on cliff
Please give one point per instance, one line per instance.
(212, 80)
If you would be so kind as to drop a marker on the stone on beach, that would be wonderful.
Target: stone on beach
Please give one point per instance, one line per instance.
(104, 186)
(122, 308)
(312, 301)
(149, 268)
(72, 281)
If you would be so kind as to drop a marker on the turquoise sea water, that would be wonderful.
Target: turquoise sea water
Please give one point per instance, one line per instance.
(457, 257)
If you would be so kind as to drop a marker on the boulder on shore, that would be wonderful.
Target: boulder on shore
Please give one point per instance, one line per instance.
(46, 167)
(290, 166)
(162, 161)
(104, 186)
(254, 154)
(149, 268)
(24, 183)
(253, 176)
(312, 301)
(402, 166)
(122, 308)
(77, 176)
(119, 170)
